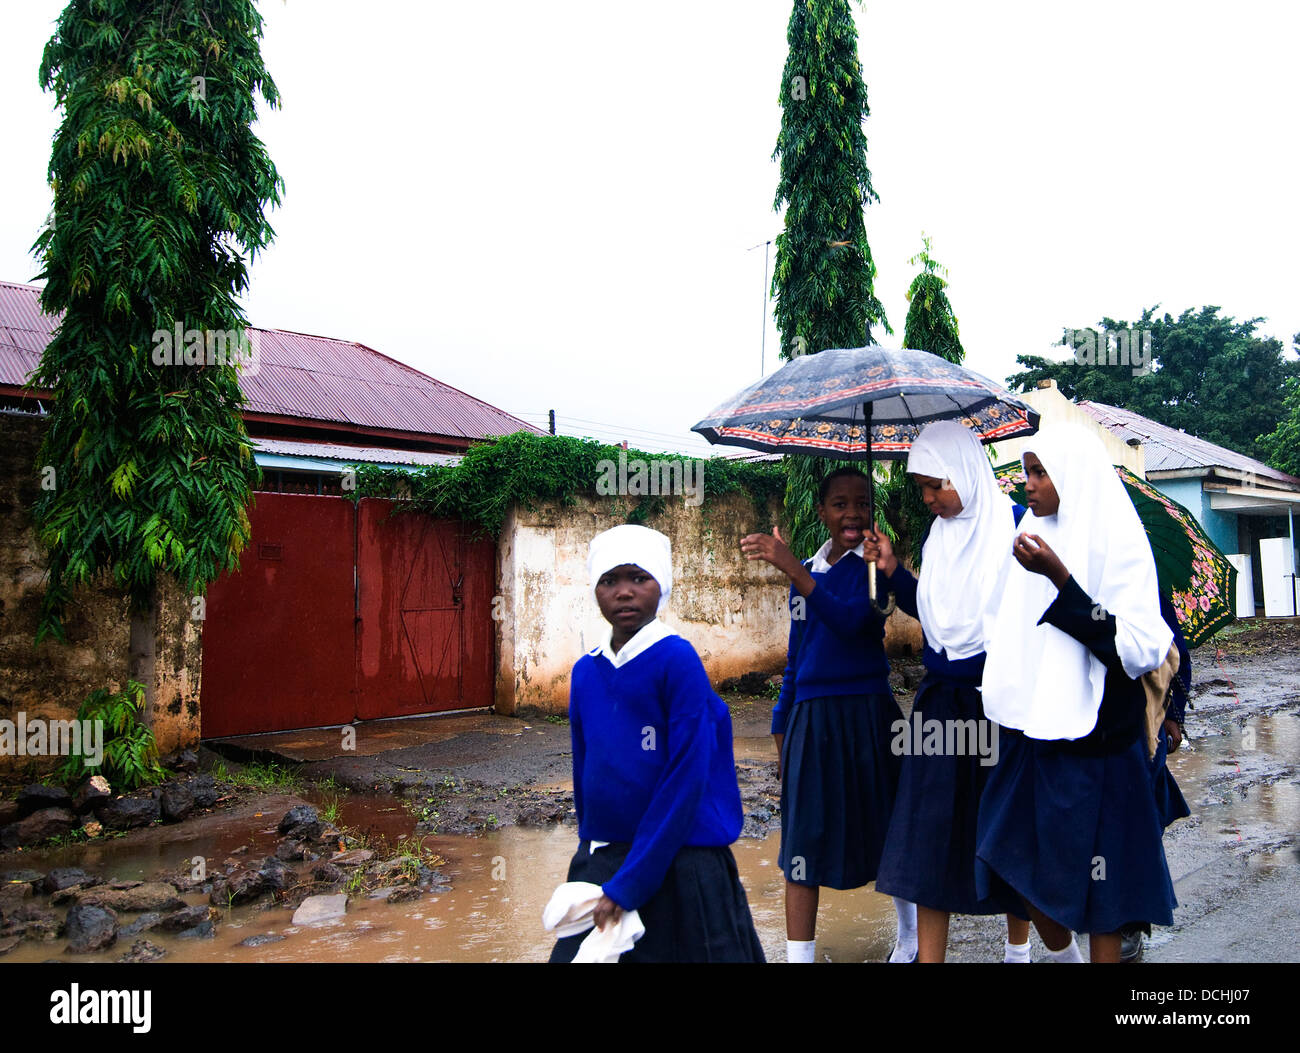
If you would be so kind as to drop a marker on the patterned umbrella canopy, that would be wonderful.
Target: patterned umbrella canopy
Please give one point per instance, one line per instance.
(823, 405)
(1195, 576)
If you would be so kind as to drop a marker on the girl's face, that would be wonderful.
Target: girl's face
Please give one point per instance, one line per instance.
(943, 503)
(846, 513)
(1040, 492)
(628, 598)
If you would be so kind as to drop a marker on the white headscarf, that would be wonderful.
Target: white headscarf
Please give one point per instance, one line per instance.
(1037, 678)
(639, 546)
(965, 557)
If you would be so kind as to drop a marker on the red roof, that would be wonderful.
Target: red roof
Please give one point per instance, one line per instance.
(311, 378)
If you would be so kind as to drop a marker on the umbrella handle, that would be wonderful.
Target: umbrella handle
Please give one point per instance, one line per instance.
(886, 610)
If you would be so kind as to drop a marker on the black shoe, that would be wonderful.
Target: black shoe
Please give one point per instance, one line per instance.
(1130, 943)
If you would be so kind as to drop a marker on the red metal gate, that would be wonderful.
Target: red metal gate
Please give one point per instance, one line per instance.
(343, 611)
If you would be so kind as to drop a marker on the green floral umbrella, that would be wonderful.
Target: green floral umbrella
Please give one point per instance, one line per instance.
(1195, 576)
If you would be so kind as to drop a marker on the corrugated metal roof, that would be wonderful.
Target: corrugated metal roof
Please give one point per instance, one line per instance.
(1168, 449)
(334, 451)
(299, 375)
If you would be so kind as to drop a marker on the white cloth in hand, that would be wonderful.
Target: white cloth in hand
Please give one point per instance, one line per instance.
(569, 912)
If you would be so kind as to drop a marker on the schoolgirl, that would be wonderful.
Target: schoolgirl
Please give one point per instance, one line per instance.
(929, 854)
(832, 722)
(654, 778)
(1068, 820)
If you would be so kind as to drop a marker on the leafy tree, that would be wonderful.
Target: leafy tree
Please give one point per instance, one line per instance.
(1209, 375)
(1282, 444)
(824, 278)
(931, 326)
(159, 189)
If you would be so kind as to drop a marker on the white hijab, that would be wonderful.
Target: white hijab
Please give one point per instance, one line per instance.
(639, 546)
(1037, 678)
(965, 557)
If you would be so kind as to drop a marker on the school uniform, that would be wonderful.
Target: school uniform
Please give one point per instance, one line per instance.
(654, 788)
(836, 711)
(1068, 819)
(929, 854)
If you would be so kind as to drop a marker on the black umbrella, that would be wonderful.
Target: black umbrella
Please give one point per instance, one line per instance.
(859, 403)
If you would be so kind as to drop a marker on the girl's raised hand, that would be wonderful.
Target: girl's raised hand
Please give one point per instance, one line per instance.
(1037, 557)
(769, 547)
(878, 549)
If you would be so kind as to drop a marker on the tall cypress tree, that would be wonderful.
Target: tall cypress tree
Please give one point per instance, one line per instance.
(824, 279)
(931, 326)
(159, 190)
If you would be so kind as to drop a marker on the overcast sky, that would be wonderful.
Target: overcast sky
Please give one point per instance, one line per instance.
(551, 205)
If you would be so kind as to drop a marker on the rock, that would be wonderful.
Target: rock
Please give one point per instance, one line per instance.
(176, 802)
(352, 858)
(65, 877)
(327, 873)
(294, 850)
(8, 943)
(38, 826)
(382, 893)
(36, 923)
(186, 918)
(240, 886)
(127, 813)
(21, 877)
(143, 923)
(404, 893)
(203, 790)
(90, 929)
(204, 930)
(36, 798)
(124, 884)
(316, 909)
(255, 941)
(181, 760)
(276, 874)
(301, 815)
(147, 896)
(13, 895)
(92, 792)
(143, 951)
(8, 813)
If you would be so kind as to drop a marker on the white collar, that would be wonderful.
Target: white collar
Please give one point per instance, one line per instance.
(819, 564)
(645, 638)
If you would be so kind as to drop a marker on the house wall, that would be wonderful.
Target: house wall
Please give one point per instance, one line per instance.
(51, 681)
(731, 609)
(1056, 409)
(1220, 525)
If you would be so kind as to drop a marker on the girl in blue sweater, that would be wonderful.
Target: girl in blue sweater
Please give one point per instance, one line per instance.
(832, 723)
(654, 779)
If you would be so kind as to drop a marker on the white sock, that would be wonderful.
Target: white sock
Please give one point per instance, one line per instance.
(1068, 954)
(1016, 952)
(905, 948)
(800, 951)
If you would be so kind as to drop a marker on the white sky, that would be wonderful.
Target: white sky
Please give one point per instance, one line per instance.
(549, 205)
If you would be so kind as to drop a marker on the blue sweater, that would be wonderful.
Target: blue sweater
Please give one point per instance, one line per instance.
(652, 762)
(837, 648)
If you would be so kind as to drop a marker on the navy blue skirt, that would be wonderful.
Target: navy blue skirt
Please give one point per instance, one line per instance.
(929, 855)
(699, 913)
(1170, 802)
(1077, 836)
(837, 789)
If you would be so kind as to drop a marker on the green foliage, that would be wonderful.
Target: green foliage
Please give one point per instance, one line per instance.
(824, 278)
(1211, 376)
(130, 757)
(823, 282)
(529, 468)
(1282, 445)
(159, 188)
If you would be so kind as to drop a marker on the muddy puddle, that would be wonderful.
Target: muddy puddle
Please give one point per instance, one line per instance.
(1239, 776)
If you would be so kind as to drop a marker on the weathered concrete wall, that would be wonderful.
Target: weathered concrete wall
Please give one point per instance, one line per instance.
(731, 609)
(1056, 409)
(51, 681)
